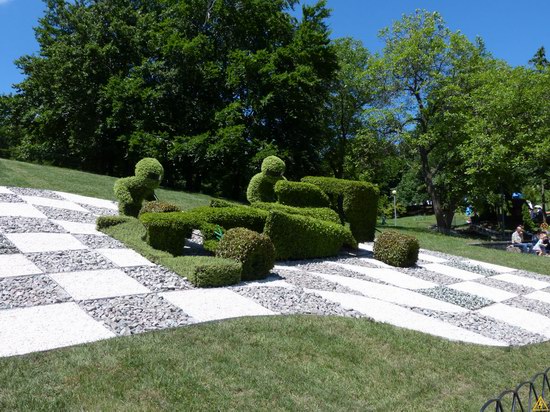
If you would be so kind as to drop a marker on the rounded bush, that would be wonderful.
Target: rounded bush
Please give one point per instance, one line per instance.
(273, 166)
(158, 206)
(396, 249)
(151, 170)
(255, 251)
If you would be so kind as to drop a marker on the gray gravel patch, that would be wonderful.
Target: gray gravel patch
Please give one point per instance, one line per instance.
(99, 242)
(6, 247)
(294, 301)
(24, 191)
(329, 269)
(128, 315)
(99, 211)
(533, 275)
(472, 268)
(70, 261)
(466, 300)
(425, 274)
(532, 305)
(305, 280)
(507, 286)
(67, 214)
(25, 291)
(157, 278)
(10, 198)
(358, 262)
(28, 225)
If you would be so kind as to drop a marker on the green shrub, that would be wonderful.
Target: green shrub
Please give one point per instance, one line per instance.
(323, 213)
(206, 271)
(300, 237)
(221, 203)
(158, 206)
(300, 194)
(255, 251)
(168, 231)
(273, 166)
(260, 187)
(355, 201)
(103, 222)
(230, 217)
(396, 249)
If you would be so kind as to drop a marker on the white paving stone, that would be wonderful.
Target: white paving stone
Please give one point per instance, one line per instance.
(366, 246)
(389, 276)
(44, 242)
(533, 322)
(47, 327)
(92, 201)
(431, 258)
(79, 228)
(376, 262)
(389, 313)
(4, 189)
(125, 257)
(452, 271)
(269, 281)
(16, 265)
(212, 304)
(488, 292)
(521, 280)
(539, 295)
(392, 294)
(96, 284)
(19, 210)
(45, 201)
(490, 266)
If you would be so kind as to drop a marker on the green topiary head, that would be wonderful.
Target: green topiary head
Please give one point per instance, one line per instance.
(151, 171)
(273, 166)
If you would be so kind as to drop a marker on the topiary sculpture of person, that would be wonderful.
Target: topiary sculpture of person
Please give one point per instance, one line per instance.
(132, 191)
(261, 186)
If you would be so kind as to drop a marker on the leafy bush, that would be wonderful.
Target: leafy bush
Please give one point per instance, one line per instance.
(255, 251)
(396, 249)
(103, 222)
(273, 166)
(206, 271)
(356, 202)
(158, 206)
(168, 231)
(300, 237)
(261, 186)
(323, 213)
(230, 217)
(221, 203)
(300, 194)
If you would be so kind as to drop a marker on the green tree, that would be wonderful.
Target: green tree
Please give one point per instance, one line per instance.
(539, 60)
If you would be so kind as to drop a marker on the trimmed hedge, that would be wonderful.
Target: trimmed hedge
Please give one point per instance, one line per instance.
(356, 202)
(230, 217)
(107, 221)
(396, 249)
(322, 213)
(158, 206)
(206, 271)
(300, 237)
(255, 251)
(168, 231)
(300, 194)
(221, 203)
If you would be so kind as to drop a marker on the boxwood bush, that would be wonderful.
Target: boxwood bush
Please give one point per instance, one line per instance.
(107, 221)
(168, 231)
(255, 251)
(206, 271)
(158, 206)
(221, 203)
(230, 217)
(301, 237)
(300, 194)
(396, 249)
(323, 213)
(356, 202)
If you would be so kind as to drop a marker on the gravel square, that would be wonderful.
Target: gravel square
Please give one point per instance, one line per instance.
(100, 211)
(129, 315)
(157, 278)
(30, 291)
(29, 225)
(23, 191)
(6, 247)
(86, 201)
(70, 261)
(61, 204)
(99, 241)
(78, 228)
(10, 198)
(67, 215)
(466, 300)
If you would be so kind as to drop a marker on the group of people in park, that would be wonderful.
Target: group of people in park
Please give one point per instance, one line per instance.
(539, 245)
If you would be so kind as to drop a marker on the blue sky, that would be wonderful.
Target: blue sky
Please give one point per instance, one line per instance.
(512, 29)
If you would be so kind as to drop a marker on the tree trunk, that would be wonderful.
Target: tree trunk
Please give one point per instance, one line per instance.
(543, 201)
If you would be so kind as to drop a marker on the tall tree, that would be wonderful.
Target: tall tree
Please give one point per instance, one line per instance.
(539, 60)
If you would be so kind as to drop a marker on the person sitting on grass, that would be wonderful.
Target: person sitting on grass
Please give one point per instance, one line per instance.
(517, 240)
(541, 247)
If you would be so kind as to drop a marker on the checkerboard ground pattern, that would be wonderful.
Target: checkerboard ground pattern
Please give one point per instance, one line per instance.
(64, 283)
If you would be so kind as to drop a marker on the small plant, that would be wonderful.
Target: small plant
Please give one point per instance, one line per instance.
(218, 233)
(396, 249)
(255, 251)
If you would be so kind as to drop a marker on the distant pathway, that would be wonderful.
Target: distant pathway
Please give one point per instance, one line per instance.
(63, 283)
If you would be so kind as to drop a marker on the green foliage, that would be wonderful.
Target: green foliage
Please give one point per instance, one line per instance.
(273, 166)
(168, 231)
(300, 194)
(356, 202)
(300, 237)
(261, 186)
(158, 206)
(206, 271)
(396, 249)
(385, 207)
(103, 222)
(221, 203)
(528, 223)
(230, 217)
(253, 250)
(132, 191)
(322, 213)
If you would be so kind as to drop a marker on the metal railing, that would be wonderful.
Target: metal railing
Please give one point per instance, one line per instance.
(523, 398)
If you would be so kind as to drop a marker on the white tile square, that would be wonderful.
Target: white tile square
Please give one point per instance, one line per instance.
(4, 189)
(488, 292)
(44, 242)
(79, 228)
(212, 304)
(125, 257)
(540, 296)
(46, 327)
(45, 201)
(16, 265)
(452, 271)
(522, 280)
(19, 210)
(431, 258)
(85, 200)
(531, 321)
(96, 284)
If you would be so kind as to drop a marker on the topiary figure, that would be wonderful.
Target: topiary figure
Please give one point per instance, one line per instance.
(132, 191)
(261, 186)
(159, 206)
(254, 250)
